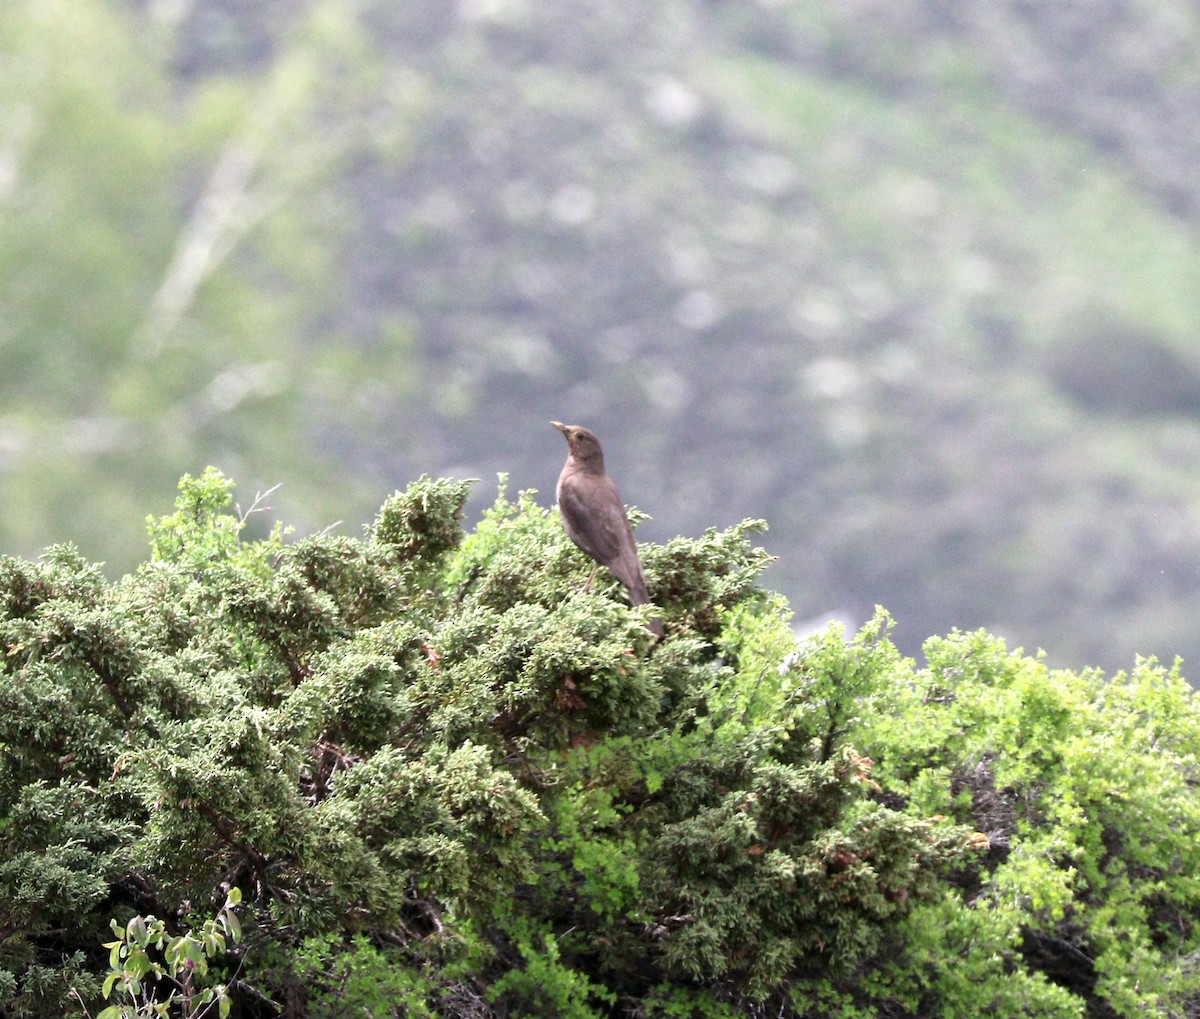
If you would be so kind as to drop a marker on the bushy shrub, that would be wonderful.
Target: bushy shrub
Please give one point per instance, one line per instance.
(1088, 894)
(448, 777)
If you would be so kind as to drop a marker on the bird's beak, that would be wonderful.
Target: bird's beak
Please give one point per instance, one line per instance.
(559, 425)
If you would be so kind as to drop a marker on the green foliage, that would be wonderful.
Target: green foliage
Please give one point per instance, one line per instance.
(542, 985)
(423, 523)
(180, 963)
(360, 978)
(1084, 787)
(200, 531)
(445, 777)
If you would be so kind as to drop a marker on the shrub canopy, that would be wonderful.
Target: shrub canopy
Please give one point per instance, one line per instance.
(447, 777)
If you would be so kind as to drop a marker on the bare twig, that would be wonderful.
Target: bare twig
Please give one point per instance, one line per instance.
(256, 506)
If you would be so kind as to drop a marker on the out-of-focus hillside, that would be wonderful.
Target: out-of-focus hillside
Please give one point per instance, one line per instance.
(917, 282)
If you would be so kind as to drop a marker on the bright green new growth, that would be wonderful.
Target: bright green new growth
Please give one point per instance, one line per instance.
(446, 778)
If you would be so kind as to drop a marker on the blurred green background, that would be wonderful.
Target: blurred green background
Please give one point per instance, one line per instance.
(918, 282)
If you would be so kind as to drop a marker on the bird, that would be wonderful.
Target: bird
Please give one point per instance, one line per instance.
(594, 516)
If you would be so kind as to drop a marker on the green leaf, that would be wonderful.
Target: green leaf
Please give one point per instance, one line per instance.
(137, 931)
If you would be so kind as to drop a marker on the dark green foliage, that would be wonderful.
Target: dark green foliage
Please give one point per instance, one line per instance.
(448, 779)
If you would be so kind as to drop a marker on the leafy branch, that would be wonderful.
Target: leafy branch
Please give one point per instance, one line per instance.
(144, 959)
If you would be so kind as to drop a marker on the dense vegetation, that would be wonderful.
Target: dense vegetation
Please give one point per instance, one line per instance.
(433, 773)
(918, 282)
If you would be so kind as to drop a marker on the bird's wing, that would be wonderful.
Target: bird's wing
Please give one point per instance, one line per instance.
(597, 523)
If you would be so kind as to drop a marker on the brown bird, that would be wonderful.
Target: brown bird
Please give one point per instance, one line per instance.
(594, 516)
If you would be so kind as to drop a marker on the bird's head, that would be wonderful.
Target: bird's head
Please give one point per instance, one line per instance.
(582, 443)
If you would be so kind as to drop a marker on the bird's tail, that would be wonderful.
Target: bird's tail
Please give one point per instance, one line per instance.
(638, 595)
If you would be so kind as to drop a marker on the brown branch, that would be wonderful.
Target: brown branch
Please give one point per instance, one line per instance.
(227, 831)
